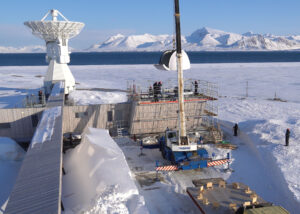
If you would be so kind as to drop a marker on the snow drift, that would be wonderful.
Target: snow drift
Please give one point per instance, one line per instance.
(45, 129)
(98, 179)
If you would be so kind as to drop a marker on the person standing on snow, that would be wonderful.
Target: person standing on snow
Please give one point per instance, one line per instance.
(235, 129)
(287, 137)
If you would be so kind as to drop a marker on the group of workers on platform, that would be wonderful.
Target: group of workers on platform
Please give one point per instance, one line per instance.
(156, 90)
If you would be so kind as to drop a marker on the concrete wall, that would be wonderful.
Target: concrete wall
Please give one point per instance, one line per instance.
(156, 117)
(19, 123)
(77, 118)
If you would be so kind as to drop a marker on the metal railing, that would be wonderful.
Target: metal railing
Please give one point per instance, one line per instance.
(34, 101)
(168, 91)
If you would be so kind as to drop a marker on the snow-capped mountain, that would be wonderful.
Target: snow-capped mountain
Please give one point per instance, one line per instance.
(29, 49)
(135, 42)
(25, 49)
(202, 39)
(210, 37)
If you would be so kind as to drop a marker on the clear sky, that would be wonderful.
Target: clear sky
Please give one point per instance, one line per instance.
(104, 18)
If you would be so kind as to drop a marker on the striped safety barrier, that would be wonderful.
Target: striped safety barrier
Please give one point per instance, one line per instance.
(217, 162)
(167, 168)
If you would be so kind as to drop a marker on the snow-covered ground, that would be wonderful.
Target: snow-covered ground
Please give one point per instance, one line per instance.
(96, 97)
(264, 80)
(167, 196)
(11, 155)
(261, 161)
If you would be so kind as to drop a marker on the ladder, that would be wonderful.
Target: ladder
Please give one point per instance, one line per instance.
(120, 132)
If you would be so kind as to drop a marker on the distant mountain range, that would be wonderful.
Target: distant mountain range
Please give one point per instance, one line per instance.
(204, 39)
(26, 49)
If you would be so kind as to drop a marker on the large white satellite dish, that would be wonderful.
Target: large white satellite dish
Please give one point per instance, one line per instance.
(56, 35)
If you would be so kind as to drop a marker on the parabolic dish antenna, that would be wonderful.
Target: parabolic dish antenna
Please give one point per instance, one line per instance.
(56, 34)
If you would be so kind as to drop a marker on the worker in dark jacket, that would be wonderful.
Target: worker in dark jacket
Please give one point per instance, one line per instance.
(287, 137)
(159, 88)
(196, 87)
(175, 92)
(40, 96)
(150, 91)
(235, 129)
(155, 91)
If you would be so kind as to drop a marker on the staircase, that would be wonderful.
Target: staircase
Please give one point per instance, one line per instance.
(217, 135)
(119, 132)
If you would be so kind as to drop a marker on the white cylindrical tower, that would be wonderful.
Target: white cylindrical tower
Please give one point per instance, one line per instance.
(56, 35)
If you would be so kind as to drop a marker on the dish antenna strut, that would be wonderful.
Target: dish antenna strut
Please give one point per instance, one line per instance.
(56, 35)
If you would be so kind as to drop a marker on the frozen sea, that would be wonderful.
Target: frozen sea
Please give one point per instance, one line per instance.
(126, 58)
(261, 161)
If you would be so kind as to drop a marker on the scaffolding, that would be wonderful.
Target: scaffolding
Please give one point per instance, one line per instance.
(154, 113)
(168, 91)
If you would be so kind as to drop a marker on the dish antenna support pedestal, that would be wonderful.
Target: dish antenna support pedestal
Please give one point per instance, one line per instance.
(56, 35)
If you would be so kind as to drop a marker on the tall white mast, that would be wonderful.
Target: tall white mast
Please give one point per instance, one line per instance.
(182, 126)
(177, 60)
(56, 35)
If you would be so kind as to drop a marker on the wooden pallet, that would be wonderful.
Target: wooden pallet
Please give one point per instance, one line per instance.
(203, 182)
(218, 199)
(226, 146)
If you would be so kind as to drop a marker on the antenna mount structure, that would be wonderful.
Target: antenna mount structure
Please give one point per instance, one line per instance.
(56, 34)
